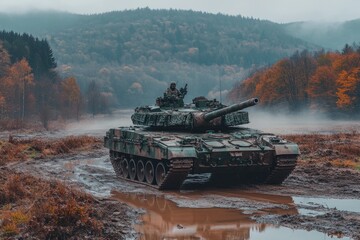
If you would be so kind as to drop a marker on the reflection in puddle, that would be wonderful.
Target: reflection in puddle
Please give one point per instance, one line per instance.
(165, 220)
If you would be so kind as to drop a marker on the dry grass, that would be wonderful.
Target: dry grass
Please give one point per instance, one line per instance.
(344, 163)
(47, 210)
(32, 208)
(13, 221)
(337, 150)
(25, 149)
(11, 124)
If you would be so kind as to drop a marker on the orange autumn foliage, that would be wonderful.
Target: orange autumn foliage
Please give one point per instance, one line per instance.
(15, 86)
(347, 67)
(321, 81)
(70, 97)
(28, 96)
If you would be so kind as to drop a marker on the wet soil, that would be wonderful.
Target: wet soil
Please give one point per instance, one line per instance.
(319, 200)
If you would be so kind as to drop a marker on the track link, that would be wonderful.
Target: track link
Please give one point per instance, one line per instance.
(283, 167)
(176, 173)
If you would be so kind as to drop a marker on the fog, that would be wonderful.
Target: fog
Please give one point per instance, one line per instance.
(281, 11)
(330, 35)
(280, 123)
(299, 123)
(99, 124)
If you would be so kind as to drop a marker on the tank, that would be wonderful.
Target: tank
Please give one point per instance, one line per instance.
(170, 140)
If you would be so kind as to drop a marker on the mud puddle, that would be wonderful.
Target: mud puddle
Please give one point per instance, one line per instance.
(202, 211)
(318, 206)
(164, 219)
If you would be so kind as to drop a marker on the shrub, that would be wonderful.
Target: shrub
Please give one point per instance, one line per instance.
(48, 210)
(24, 149)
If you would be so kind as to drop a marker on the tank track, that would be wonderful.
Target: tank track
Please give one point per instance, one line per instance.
(176, 173)
(284, 165)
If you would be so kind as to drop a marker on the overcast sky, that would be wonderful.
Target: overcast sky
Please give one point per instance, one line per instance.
(275, 10)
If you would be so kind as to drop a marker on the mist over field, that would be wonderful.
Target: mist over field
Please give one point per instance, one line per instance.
(304, 122)
(99, 124)
(280, 123)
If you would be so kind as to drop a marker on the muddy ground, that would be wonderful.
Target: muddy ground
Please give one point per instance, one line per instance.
(320, 198)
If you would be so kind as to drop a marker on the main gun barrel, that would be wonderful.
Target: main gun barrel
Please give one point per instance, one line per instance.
(232, 108)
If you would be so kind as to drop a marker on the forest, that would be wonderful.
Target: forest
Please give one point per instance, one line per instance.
(326, 82)
(133, 55)
(124, 59)
(30, 87)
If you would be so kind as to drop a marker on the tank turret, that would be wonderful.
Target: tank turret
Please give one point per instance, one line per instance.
(202, 114)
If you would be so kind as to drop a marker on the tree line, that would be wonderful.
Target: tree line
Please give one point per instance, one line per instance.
(144, 35)
(30, 87)
(322, 81)
(132, 54)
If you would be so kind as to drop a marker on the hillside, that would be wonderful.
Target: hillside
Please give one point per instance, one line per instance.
(328, 35)
(134, 54)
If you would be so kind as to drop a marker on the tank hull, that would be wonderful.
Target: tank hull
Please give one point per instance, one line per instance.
(233, 156)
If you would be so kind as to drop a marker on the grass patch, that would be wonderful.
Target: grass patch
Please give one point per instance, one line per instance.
(340, 150)
(47, 210)
(13, 221)
(344, 163)
(25, 149)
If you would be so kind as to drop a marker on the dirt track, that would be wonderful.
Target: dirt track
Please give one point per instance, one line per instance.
(317, 196)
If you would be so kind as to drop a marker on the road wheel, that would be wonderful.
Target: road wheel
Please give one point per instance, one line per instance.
(149, 172)
(140, 171)
(160, 173)
(125, 167)
(132, 169)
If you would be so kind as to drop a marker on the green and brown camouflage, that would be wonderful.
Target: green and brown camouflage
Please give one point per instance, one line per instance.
(198, 138)
(201, 115)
